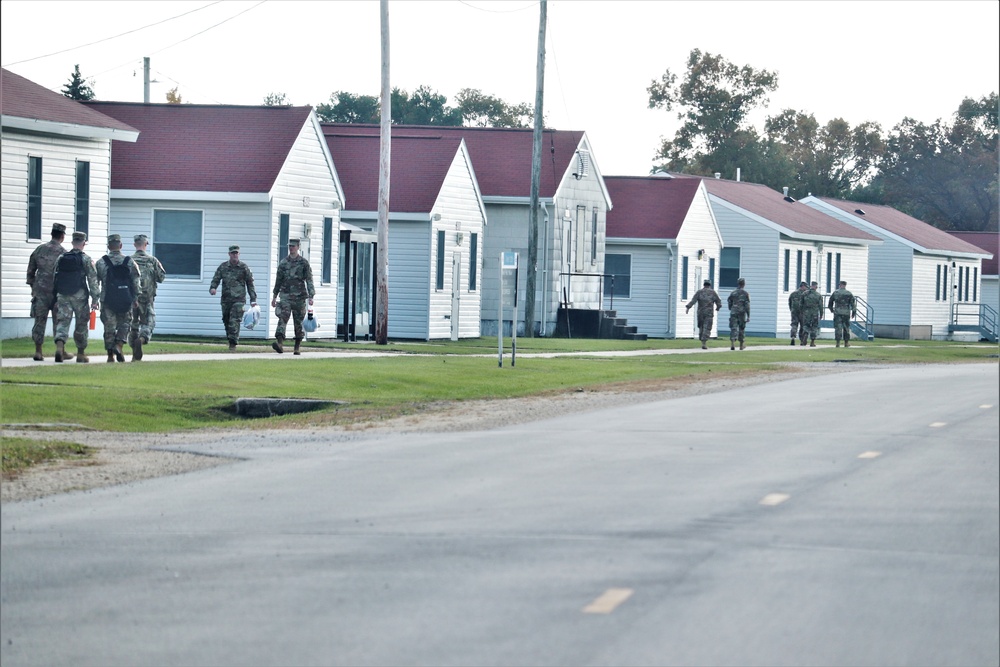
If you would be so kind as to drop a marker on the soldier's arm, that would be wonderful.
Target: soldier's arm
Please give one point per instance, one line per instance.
(32, 268)
(308, 277)
(159, 274)
(136, 280)
(216, 279)
(279, 279)
(93, 286)
(251, 290)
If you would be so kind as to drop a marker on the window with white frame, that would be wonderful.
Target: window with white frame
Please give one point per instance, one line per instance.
(82, 212)
(34, 197)
(618, 275)
(729, 268)
(177, 241)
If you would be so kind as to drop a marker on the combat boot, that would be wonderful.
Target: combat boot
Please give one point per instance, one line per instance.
(67, 355)
(743, 345)
(793, 341)
(81, 358)
(111, 356)
(137, 350)
(60, 345)
(847, 342)
(838, 342)
(277, 345)
(298, 344)
(732, 345)
(704, 345)
(812, 343)
(119, 355)
(38, 353)
(232, 345)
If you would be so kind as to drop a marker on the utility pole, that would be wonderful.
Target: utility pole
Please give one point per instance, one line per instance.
(536, 172)
(385, 139)
(145, 80)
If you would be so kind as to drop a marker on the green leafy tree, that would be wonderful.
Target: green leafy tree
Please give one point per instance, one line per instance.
(945, 174)
(423, 107)
(714, 100)
(276, 100)
(481, 110)
(347, 107)
(174, 97)
(76, 88)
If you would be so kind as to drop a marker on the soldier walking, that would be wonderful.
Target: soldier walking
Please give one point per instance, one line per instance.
(77, 291)
(151, 274)
(236, 279)
(41, 273)
(119, 278)
(739, 314)
(795, 308)
(844, 307)
(294, 283)
(812, 309)
(706, 297)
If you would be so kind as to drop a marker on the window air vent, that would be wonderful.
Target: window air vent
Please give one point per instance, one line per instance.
(582, 164)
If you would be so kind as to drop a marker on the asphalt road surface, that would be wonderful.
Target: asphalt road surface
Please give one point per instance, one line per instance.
(850, 519)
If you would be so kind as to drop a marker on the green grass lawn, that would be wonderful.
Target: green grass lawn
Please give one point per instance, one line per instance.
(19, 454)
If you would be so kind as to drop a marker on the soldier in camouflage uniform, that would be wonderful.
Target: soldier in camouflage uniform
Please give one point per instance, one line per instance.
(236, 279)
(151, 273)
(41, 272)
(739, 314)
(294, 283)
(116, 324)
(705, 298)
(82, 299)
(795, 308)
(812, 309)
(845, 308)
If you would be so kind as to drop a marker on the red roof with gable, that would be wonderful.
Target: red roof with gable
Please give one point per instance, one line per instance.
(988, 241)
(418, 167)
(21, 98)
(500, 156)
(771, 205)
(203, 148)
(648, 207)
(902, 225)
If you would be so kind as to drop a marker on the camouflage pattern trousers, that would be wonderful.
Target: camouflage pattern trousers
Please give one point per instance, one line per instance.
(796, 331)
(69, 307)
(705, 322)
(810, 327)
(232, 318)
(737, 326)
(297, 311)
(842, 326)
(143, 322)
(116, 326)
(41, 306)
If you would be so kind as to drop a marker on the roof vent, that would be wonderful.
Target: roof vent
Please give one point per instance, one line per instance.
(784, 190)
(718, 175)
(582, 164)
(859, 211)
(661, 173)
(790, 200)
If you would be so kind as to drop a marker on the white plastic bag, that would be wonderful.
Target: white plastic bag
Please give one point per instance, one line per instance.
(309, 324)
(251, 316)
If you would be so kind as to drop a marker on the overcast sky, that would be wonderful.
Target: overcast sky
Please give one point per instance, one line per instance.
(878, 61)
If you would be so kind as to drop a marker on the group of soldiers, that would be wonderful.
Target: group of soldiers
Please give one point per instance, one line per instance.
(69, 285)
(806, 307)
(293, 284)
(805, 304)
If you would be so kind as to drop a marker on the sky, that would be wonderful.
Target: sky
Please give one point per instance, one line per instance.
(856, 60)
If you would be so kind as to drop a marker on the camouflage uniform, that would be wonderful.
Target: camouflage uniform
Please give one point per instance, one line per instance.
(41, 277)
(294, 283)
(116, 325)
(795, 308)
(236, 280)
(739, 313)
(706, 297)
(78, 305)
(812, 309)
(844, 307)
(143, 315)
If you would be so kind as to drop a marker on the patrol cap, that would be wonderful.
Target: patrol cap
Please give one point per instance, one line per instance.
(803, 284)
(843, 282)
(79, 236)
(58, 228)
(707, 283)
(114, 239)
(293, 242)
(234, 248)
(814, 284)
(140, 238)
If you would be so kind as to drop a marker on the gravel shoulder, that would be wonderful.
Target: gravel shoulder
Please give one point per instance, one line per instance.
(124, 458)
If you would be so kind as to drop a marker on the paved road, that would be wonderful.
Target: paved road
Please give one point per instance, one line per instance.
(846, 519)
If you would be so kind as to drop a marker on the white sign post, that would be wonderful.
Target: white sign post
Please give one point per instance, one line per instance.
(508, 295)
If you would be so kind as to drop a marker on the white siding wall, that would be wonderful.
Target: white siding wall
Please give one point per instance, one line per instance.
(184, 306)
(646, 306)
(937, 313)
(506, 230)
(698, 233)
(411, 272)
(59, 156)
(305, 189)
(990, 286)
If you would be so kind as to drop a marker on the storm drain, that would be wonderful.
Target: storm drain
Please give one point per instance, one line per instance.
(255, 408)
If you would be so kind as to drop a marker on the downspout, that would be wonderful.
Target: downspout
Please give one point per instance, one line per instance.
(545, 269)
(671, 290)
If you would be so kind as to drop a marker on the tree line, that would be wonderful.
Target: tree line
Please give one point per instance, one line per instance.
(944, 173)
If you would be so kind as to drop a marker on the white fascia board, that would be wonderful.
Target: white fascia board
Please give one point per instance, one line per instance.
(523, 201)
(67, 129)
(621, 240)
(373, 215)
(954, 254)
(784, 231)
(189, 195)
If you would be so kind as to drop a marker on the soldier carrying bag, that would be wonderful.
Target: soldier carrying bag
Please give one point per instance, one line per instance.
(70, 278)
(118, 291)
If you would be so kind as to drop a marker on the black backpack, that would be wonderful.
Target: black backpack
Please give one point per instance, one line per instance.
(70, 278)
(118, 291)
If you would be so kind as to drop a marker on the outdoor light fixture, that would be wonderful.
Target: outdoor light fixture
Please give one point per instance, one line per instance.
(701, 254)
(436, 217)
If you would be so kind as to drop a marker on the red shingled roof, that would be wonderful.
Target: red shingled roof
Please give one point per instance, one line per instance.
(648, 207)
(21, 98)
(203, 148)
(771, 205)
(417, 165)
(500, 156)
(988, 241)
(905, 226)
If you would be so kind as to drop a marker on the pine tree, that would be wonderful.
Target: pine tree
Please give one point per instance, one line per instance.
(76, 88)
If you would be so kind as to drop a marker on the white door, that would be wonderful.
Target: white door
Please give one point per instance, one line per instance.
(456, 292)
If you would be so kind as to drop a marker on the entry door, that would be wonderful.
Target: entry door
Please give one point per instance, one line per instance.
(456, 292)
